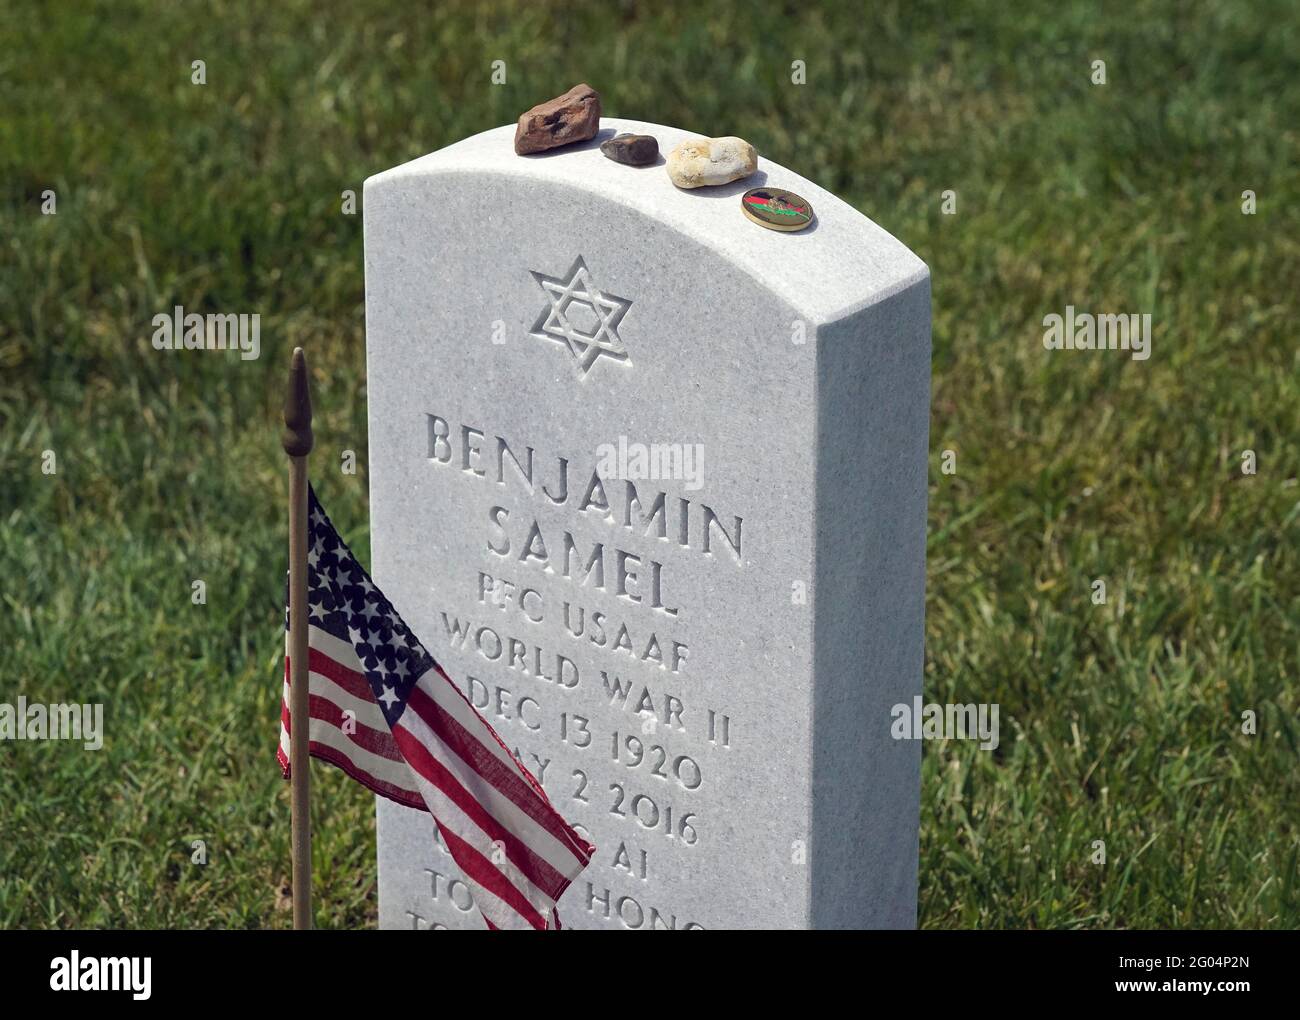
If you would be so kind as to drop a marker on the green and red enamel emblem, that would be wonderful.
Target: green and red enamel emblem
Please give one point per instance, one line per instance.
(776, 208)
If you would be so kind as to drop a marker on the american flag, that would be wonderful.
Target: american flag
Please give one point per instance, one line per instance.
(384, 712)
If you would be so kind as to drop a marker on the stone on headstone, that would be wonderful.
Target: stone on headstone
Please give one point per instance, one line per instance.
(633, 150)
(708, 162)
(572, 117)
(650, 482)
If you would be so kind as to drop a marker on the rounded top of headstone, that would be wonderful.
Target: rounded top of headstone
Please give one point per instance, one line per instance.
(840, 264)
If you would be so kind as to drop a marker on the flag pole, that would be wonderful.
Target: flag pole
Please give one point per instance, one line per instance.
(297, 441)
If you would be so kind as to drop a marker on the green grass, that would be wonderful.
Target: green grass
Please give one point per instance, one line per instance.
(1119, 722)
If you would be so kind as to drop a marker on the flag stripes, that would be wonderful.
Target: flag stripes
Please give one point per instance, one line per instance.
(383, 711)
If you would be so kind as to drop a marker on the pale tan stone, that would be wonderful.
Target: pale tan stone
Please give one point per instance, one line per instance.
(707, 162)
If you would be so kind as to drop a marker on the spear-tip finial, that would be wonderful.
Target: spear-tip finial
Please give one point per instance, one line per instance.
(297, 438)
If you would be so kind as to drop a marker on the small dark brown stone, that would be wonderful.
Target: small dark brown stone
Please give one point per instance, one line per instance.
(634, 150)
(572, 117)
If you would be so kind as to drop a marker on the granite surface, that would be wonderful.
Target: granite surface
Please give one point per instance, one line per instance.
(650, 481)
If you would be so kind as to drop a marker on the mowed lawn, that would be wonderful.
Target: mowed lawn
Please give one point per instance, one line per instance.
(1120, 722)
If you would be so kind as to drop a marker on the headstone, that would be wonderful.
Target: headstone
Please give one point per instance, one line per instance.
(650, 481)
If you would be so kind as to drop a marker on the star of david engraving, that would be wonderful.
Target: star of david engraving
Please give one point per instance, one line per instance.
(581, 316)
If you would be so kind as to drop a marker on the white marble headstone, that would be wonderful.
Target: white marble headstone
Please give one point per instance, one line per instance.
(650, 481)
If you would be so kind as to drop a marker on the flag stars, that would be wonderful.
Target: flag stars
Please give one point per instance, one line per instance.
(368, 637)
(346, 603)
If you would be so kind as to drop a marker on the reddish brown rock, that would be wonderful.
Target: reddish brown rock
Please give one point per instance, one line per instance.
(572, 117)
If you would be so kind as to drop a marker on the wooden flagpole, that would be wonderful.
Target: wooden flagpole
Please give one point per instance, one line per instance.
(297, 440)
